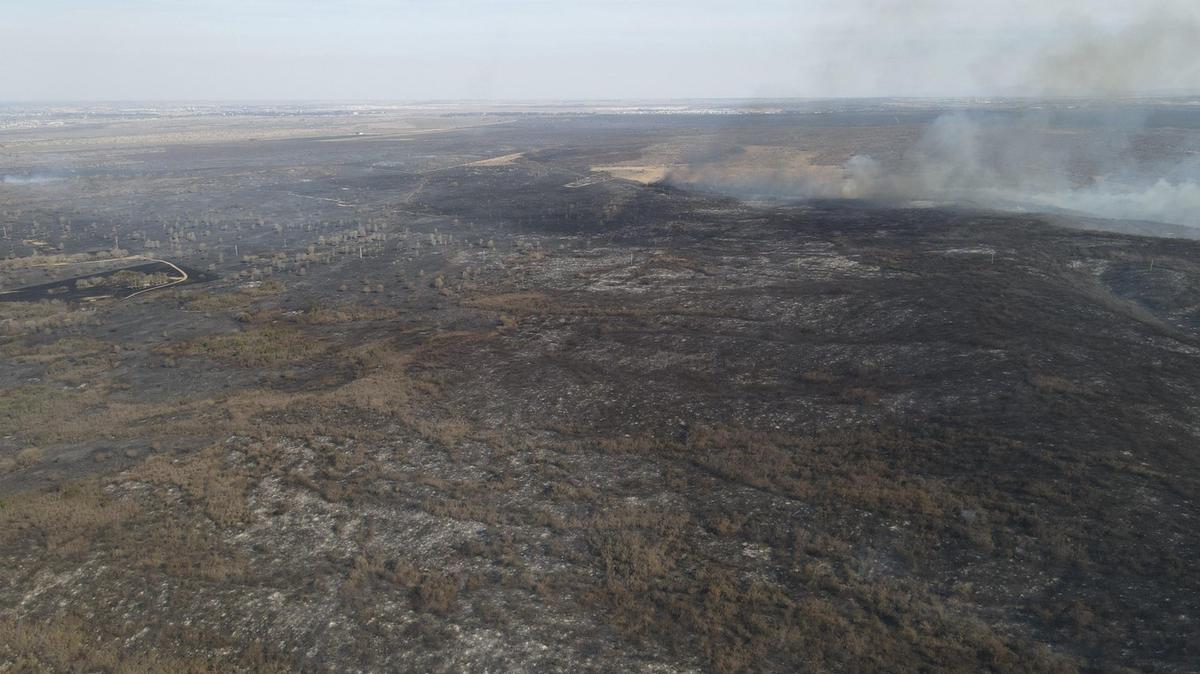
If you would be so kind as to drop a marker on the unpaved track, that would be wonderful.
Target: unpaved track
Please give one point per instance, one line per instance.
(182, 278)
(183, 275)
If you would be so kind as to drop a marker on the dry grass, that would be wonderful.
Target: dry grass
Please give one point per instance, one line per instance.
(261, 347)
(521, 302)
(71, 360)
(217, 488)
(87, 517)
(645, 174)
(25, 318)
(654, 587)
(345, 313)
(241, 298)
(47, 415)
(61, 259)
(858, 467)
(25, 310)
(382, 389)
(821, 376)
(638, 566)
(76, 645)
(32, 410)
(503, 160)
(65, 521)
(540, 304)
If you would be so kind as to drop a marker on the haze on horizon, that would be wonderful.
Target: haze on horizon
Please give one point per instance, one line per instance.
(112, 50)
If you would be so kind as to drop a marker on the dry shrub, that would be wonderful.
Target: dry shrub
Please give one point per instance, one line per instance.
(832, 622)
(630, 559)
(650, 593)
(444, 432)
(436, 592)
(857, 467)
(826, 611)
(30, 456)
(431, 591)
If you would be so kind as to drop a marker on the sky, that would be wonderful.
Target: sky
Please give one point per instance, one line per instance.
(403, 50)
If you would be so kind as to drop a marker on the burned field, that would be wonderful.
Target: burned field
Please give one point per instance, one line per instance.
(460, 402)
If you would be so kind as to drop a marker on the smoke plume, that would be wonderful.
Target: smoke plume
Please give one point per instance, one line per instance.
(1160, 53)
(1099, 152)
(1037, 162)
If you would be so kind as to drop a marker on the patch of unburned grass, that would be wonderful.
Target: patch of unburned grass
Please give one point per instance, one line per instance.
(241, 298)
(75, 645)
(70, 359)
(32, 409)
(345, 313)
(204, 478)
(63, 522)
(541, 304)
(262, 347)
(26, 318)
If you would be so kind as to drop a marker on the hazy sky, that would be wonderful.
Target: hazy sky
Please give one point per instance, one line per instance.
(588, 49)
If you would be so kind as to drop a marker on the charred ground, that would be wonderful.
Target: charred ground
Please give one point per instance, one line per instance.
(441, 416)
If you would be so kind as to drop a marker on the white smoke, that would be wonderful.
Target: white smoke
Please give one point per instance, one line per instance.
(1094, 155)
(1028, 165)
(36, 179)
(1163, 201)
(1159, 53)
(1102, 174)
